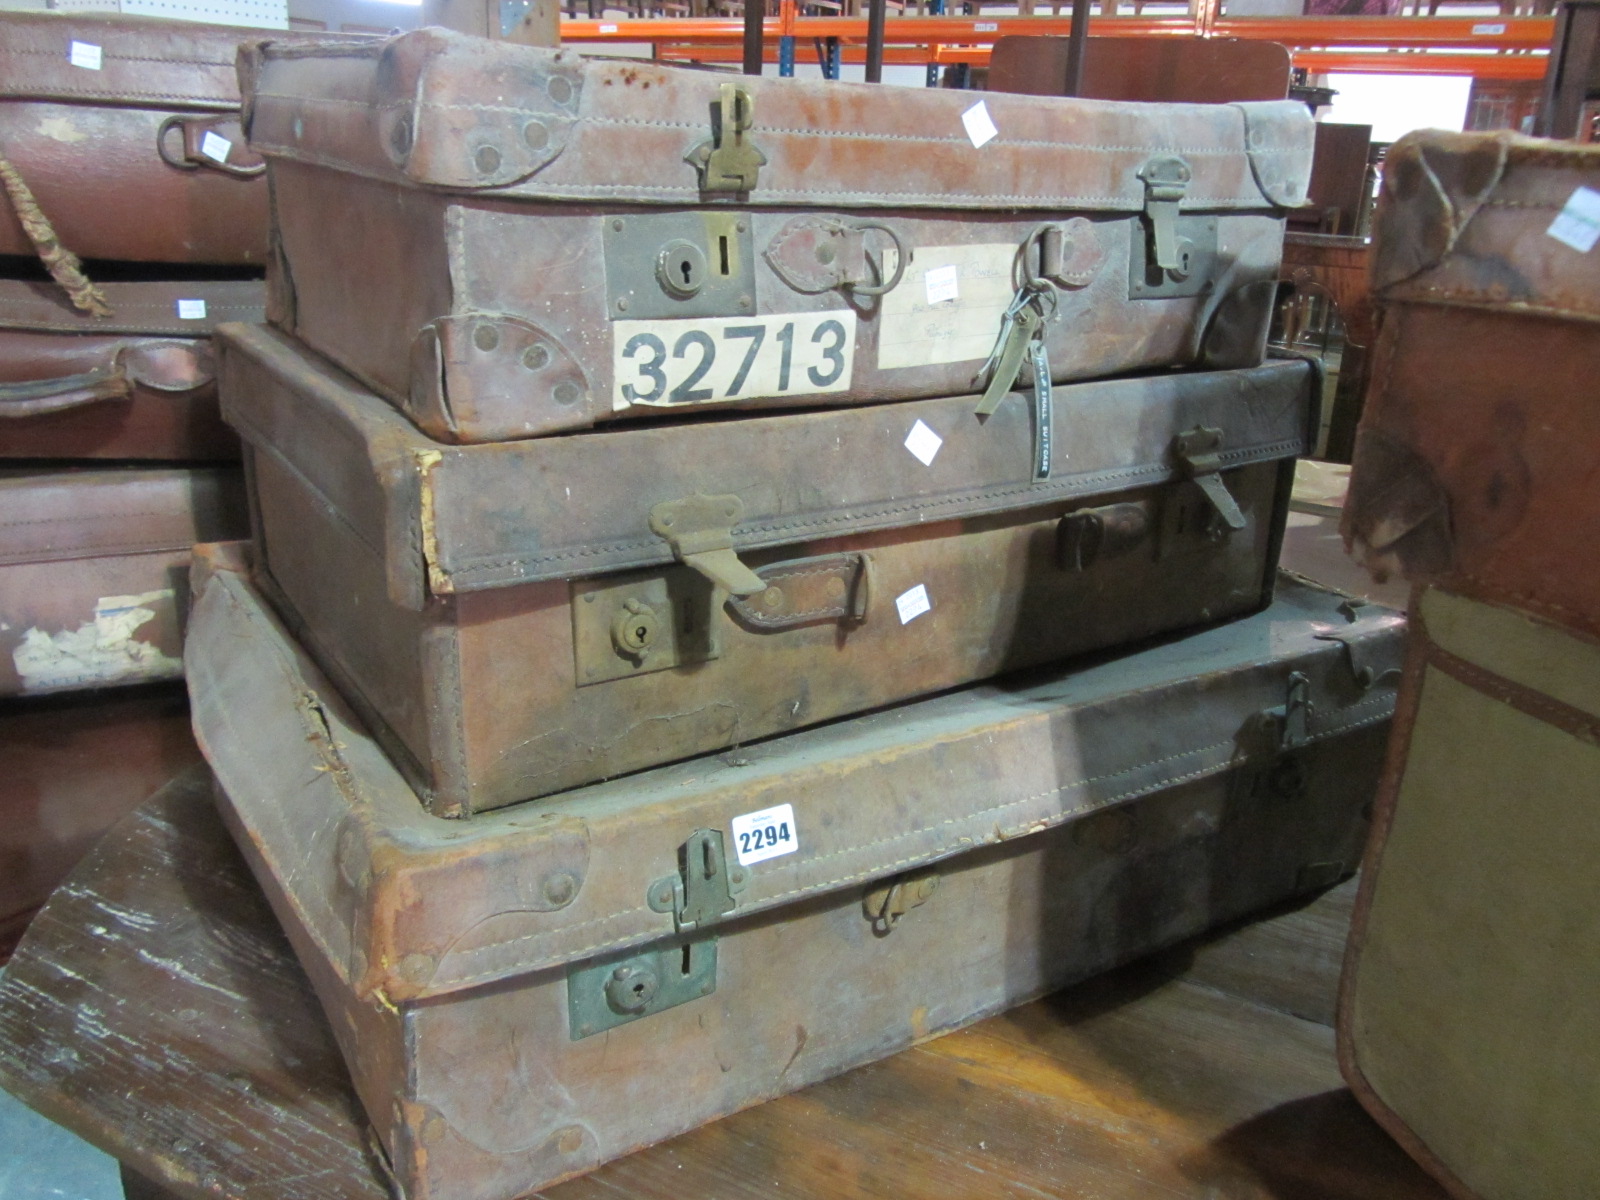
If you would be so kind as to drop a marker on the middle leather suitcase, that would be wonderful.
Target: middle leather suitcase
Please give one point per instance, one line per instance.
(533, 242)
(521, 618)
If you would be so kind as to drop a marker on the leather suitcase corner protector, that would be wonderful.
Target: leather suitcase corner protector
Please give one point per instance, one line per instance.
(418, 950)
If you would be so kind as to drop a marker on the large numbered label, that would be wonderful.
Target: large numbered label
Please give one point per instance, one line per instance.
(717, 359)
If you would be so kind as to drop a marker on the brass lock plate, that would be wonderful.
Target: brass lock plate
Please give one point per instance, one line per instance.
(606, 994)
(625, 625)
(679, 264)
(1197, 246)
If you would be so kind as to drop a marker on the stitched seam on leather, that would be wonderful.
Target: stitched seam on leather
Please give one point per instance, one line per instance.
(1083, 485)
(1438, 295)
(1387, 700)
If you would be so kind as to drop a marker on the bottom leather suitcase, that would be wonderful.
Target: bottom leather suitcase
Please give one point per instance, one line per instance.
(74, 766)
(93, 571)
(1467, 1015)
(527, 995)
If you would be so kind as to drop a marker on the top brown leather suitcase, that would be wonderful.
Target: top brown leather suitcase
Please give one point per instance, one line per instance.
(1475, 460)
(532, 242)
(126, 131)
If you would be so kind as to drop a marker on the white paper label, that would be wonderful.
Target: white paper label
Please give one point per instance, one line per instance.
(759, 836)
(913, 603)
(912, 332)
(1489, 30)
(980, 126)
(942, 283)
(191, 310)
(708, 360)
(215, 147)
(1578, 224)
(608, 29)
(84, 54)
(924, 443)
(985, 27)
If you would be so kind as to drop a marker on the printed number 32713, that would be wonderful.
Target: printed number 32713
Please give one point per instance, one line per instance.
(732, 358)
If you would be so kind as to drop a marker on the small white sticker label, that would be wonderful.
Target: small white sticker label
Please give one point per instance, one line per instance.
(942, 284)
(913, 604)
(759, 836)
(191, 310)
(215, 147)
(608, 29)
(985, 27)
(1489, 30)
(924, 443)
(980, 126)
(1578, 224)
(84, 54)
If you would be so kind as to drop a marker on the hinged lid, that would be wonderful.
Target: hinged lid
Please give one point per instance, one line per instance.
(440, 109)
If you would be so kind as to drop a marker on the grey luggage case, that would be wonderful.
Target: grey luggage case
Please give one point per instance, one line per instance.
(533, 242)
(527, 995)
(522, 618)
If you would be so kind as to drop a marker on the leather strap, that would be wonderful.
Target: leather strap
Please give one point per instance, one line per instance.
(165, 366)
(804, 591)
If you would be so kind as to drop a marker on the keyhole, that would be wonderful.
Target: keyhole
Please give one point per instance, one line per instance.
(642, 632)
(638, 989)
(722, 244)
(683, 269)
(686, 964)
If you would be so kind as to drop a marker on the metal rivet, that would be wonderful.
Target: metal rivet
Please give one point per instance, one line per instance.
(570, 1141)
(617, 226)
(487, 159)
(416, 967)
(622, 304)
(485, 337)
(566, 392)
(536, 356)
(744, 301)
(536, 135)
(740, 227)
(589, 599)
(772, 598)
(560, 889)
(585, 1030)
(560, 89)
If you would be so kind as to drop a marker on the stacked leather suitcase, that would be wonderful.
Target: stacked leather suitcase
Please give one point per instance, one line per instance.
(1465, 1022)
(647, 472)
(132, 224)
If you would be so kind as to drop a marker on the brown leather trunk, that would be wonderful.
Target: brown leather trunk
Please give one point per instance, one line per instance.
(1475, 459)
(74, 766)
(533, 242)
(93, 571)
(1465, 1025)
(139, 384)
(126, 130)
(522, 618)
(525, 996)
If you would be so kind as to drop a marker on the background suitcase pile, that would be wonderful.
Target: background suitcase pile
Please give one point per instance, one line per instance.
(132, 223)
(1466, 1022)
(624, 478)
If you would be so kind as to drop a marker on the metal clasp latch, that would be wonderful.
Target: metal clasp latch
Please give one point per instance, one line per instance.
(700, 531)
(886, 903)
(1198, 454)
(1290, 722)
(729, 162)
(701, 893)
(1166, 179)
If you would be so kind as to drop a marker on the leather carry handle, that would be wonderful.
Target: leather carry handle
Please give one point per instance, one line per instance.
(39, 397)
(195, 154)
(804, 591)
(163, 366)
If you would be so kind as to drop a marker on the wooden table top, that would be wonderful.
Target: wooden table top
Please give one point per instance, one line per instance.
(156, 1009)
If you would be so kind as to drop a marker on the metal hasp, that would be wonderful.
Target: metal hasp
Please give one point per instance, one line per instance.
(1198, 455)
(1179, 251)
(700, 531)
(884, 904)
(603, 995)
(1289, 723)
(729, 162)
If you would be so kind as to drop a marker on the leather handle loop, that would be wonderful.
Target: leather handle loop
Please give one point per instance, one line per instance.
(39, 397)
(805, 591)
